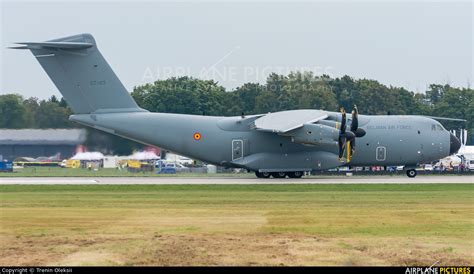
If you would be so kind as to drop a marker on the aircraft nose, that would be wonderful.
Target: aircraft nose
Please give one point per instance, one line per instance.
(454, 145)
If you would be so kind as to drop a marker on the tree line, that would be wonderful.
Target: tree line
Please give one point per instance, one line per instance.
(296, 90)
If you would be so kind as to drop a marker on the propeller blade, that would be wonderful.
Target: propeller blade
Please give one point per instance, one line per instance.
(348, 150)
(357, 132)
(355, 119)
(342, 133)
(340, 144)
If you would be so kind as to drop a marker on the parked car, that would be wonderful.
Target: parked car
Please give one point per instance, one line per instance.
(169, 167)
(6, 166)
(179, 167)
(391, 168)
(162, 168)
(428, 167)
(470, 164)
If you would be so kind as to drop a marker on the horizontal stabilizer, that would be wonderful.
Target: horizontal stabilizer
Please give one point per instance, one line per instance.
(56, 45)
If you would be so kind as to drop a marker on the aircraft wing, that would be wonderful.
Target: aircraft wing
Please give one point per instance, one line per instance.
(284, 121)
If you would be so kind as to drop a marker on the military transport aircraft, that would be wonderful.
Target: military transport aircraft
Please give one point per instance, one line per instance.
(280, 144)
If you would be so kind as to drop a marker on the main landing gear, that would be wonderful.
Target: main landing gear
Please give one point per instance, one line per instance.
(295, 174)
(411, 173)
(262, 174)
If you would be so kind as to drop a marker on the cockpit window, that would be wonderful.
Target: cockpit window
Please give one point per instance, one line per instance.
(438, 127)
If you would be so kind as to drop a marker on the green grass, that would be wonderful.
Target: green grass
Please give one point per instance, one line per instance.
(434, 220)
(103, 172)
(270, 188)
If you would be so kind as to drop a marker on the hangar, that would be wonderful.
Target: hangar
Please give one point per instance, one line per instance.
(35, 143)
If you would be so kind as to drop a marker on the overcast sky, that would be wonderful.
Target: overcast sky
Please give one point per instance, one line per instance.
(404, 43)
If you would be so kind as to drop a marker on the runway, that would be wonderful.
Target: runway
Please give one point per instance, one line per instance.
(212, 180)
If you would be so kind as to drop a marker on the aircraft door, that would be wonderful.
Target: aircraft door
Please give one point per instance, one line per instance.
(237, 149)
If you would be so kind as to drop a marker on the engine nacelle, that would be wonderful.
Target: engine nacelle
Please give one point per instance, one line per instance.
(314, 134)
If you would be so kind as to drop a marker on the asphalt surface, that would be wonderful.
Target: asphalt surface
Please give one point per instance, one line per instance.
(234, 180)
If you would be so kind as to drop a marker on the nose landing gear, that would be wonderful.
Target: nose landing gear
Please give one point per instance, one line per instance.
(411, 173)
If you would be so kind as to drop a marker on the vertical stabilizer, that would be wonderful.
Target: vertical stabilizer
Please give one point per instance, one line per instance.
(82, 75)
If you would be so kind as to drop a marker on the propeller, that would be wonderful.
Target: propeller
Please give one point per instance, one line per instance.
(359, 132)
(346, 139)
(343, 134)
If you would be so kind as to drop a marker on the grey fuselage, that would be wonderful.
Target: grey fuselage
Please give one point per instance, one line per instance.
(285, 141)
(232, 142)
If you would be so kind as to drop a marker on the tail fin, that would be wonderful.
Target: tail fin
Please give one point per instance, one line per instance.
(82, 75)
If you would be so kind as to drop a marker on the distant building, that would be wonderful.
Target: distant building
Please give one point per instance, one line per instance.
(36, 143)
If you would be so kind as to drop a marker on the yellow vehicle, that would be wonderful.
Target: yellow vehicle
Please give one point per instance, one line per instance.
(134, 164)
(137, 166)
(73, 163)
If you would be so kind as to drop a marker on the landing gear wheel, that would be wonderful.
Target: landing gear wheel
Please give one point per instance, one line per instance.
(296, 174)
(411, 173)
(262, 174)
(278, 174)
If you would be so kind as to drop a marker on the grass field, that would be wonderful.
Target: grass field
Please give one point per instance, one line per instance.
(237, 224)
(103, 172)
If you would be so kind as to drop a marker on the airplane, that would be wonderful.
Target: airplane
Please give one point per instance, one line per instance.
(280, 144)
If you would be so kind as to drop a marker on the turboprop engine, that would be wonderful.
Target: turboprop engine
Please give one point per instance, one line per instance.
(315, 134)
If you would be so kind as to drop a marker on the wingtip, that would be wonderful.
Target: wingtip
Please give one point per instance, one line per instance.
(18, 47)
(23, 45)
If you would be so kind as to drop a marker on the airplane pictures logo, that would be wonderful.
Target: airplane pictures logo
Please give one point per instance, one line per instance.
(438, 270)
